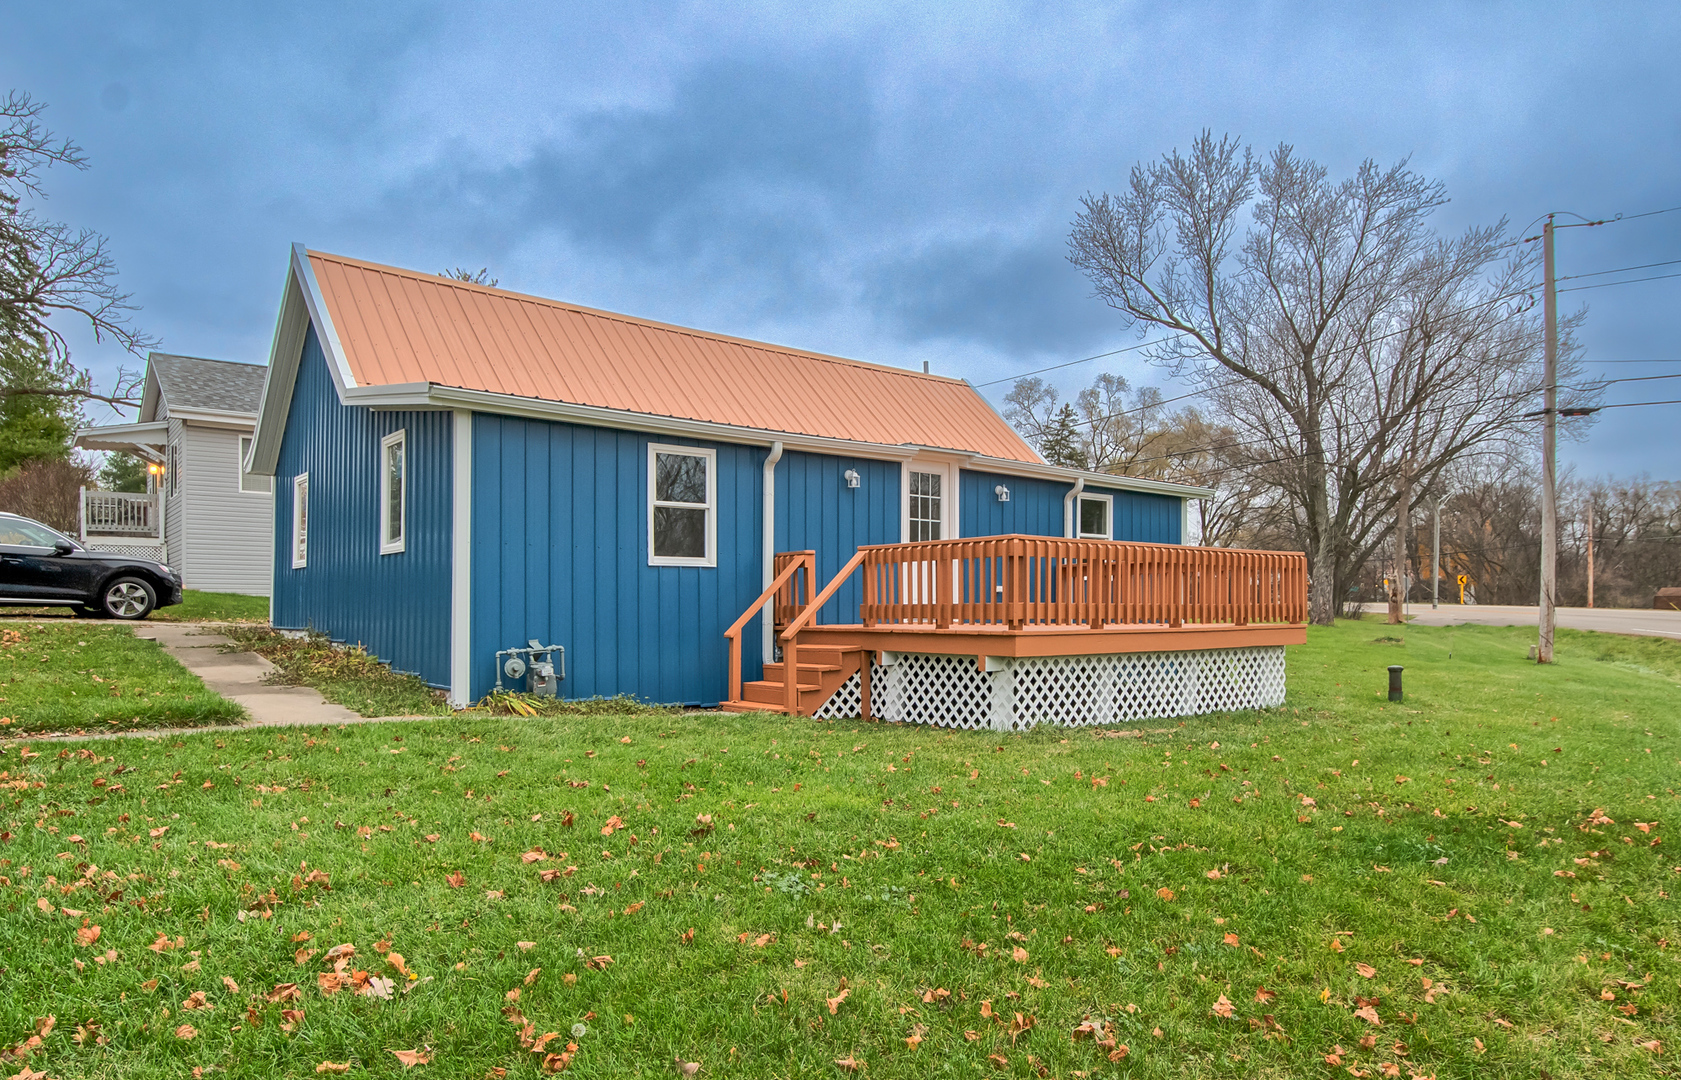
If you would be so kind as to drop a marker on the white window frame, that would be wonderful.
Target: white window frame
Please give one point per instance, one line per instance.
(1108, 516)
(300, 522)
(711, 456)
(245, 478)
(950, 475)
(172, 469)
(388, 546)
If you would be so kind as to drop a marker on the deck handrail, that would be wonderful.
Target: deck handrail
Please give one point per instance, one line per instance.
(791, 636)
(1021, 581)
(797, 560)
(119, 513)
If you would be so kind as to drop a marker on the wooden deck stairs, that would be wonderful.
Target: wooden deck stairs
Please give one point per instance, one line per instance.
(821, 672)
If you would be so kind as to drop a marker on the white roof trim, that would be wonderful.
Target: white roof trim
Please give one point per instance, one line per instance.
(1092, 479)
(302, 304)
(595, 416)
(123, 436)
(323, 318)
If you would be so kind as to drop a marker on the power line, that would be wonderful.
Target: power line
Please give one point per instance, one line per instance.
(1071, 363)
(1636, 404)
(1608, 284)
(1649, 213)
(1603, 383)
(1619, 270)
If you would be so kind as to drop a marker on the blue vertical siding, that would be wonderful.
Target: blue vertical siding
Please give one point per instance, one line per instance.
(1035, 509)
(816, 511)
(560, 553)
(396, 605)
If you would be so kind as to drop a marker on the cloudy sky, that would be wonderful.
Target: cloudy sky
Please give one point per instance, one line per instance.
(875, 181)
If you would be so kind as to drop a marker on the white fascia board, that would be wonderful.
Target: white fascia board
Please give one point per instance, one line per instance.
(1106, 480)
(596, 416)
(216, 417)
(122, 436)
(301, 305)
(323, 319)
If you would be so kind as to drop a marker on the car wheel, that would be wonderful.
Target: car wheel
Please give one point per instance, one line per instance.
(129, 598)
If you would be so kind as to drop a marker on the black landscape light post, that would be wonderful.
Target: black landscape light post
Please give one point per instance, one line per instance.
(1395, 681)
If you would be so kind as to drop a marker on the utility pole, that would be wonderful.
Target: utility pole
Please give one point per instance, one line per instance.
(1590, 552)
(1436, 562)
(1398, 598)
(1549, 454)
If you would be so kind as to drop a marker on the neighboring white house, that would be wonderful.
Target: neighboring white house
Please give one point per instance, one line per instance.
(213, 522)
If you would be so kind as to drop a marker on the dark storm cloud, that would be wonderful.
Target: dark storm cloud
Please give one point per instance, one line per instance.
(747, 162)
(1021, 297)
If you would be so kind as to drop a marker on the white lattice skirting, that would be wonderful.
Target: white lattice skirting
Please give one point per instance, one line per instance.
(1068, 691)
(142, 550)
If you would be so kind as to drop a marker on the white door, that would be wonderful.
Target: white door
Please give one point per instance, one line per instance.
(930, 513)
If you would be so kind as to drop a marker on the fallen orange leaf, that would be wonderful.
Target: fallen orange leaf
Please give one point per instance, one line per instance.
(411, 1058)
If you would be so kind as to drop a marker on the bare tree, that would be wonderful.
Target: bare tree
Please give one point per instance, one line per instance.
(49, 268)
(1338, 337)
(48, 490)
(481, 276)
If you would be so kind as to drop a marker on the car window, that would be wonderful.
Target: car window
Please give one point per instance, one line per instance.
(26, 533)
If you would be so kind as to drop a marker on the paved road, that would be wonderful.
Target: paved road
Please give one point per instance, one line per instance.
(1639, 621)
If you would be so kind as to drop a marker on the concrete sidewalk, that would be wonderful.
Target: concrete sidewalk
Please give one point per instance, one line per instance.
(238, 676)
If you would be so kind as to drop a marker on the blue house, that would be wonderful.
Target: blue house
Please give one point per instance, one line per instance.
(459, 469)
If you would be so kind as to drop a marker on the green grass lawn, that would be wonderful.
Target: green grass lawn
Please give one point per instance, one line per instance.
(1469, 884)
(197, 606)
(79, 675)
(345, 676)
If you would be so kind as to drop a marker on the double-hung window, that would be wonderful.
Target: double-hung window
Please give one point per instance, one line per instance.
(682, 506)
(393, 492)
(1097, 517)
(300, 521)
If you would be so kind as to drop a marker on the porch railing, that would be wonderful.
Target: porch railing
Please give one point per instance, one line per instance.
(793, 569)
(119, 513)
(1024, 581)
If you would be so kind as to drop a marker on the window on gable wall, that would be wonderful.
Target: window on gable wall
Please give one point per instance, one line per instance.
(1096, 512)
(300, 521)
(682, 506)
(393, 492)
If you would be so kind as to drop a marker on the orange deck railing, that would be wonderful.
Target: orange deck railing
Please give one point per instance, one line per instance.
(1034, 581)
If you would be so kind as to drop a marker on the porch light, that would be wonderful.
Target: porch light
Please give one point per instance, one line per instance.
(852, 478)
(1002, 492)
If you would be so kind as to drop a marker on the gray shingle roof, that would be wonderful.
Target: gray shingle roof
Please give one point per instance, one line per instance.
(222, 385)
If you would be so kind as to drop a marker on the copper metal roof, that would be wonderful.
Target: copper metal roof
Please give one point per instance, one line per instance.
(398, 326)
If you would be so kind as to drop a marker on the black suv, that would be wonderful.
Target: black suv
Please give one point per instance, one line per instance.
(40, 566)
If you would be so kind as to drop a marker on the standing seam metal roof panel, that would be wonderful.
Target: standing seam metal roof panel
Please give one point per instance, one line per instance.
(400, 326)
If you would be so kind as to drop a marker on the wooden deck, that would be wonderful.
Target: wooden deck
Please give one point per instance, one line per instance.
(1018, 596)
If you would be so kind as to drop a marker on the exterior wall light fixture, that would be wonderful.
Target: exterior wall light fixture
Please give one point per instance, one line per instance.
(1002, 492)
(852, 478)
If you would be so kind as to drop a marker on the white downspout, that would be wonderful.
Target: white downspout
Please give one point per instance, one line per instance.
(1068, 507)
(767, 623)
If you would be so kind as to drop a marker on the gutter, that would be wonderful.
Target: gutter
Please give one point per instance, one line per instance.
(1068, 506)
(766, 619)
